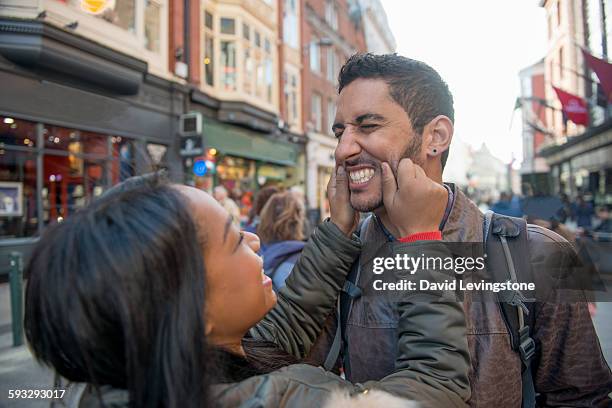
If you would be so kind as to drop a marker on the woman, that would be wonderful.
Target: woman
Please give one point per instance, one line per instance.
(281, 231)
(147, 296)
(261, 199)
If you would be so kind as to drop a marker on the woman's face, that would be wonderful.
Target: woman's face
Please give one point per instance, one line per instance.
(238, 294)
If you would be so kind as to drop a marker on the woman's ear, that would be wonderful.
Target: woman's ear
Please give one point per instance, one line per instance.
(439, 133)
(208, 327)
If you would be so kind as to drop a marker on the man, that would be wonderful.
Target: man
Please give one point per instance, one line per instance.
(392, 108)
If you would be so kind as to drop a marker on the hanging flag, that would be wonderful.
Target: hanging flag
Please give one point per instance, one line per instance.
(603, 70)
(574, 107)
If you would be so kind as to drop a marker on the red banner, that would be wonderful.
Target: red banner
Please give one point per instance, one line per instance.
(603, 70)
(574, 107)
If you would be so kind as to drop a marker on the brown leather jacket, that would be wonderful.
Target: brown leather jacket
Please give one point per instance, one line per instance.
(569, 369)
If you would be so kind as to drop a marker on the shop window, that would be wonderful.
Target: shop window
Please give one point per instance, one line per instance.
(152, 25)
(15, 132)
(18, 206)
(228, 65)
(69, 183)
(75, 141)
(123, 165)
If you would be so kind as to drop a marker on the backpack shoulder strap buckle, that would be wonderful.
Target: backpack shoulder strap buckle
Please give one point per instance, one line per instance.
(526, 346)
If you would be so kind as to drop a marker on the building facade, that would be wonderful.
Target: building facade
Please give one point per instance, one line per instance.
(579, 160)
(332, 31)
(535, 132)
(378, 36)
(87, 101)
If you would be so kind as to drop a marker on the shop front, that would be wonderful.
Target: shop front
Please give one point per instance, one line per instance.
(582, 165)
(69, 132)
(321, 164)
(245, 162)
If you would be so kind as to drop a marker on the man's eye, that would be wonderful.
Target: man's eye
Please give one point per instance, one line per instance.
(368, 126)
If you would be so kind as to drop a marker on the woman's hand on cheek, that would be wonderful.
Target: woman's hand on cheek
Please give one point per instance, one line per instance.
(342, 214)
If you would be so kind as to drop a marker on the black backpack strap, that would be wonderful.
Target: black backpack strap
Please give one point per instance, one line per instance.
(504, 236)
(350, 291)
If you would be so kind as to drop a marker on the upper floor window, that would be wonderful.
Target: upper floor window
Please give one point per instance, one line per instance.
(315, 56)
(316, 114)
(143, 18)
(331, 14)
(209, 49)
(331, 64)
(290, 24)
(228, 26)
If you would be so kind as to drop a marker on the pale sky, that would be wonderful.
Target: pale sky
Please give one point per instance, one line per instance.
(478, 47)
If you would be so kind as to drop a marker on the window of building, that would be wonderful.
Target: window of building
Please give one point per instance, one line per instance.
(209, 49)
(122, 15)
(561, 66)
(315, 56)
(331, 64)
(228, 65)
(208, 20)
(257, 39)
(246, 31)
(291, 98)
(331, 115)
(558, 12)
(331, 14)
(269, 74)
(77, 167)
(228, 26)
(316, 114)
(143, 18)
(152, 26)
(290, 24)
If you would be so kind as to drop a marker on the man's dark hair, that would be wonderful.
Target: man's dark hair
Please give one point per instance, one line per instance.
(414, 85)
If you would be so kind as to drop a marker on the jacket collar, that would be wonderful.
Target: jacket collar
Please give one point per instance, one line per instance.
(464, 223)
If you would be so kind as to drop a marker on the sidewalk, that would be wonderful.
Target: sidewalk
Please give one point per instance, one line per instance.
(18, 370)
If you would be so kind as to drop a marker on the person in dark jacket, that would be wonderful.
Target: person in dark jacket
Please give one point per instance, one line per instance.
(281, 230)
(394, 110)
(151, 297)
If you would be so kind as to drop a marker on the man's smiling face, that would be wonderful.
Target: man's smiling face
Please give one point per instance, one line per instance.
(371, 128)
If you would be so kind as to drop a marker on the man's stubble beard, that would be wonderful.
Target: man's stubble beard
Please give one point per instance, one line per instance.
(376, 202)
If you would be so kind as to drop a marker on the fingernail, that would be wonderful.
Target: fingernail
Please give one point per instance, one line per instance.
(340, 171)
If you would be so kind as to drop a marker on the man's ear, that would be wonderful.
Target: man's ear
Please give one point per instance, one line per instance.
(439, 133)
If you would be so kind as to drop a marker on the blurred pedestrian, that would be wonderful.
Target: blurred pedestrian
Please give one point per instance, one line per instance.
(261, 199)
(281, 231)
(583, 211)
(221, 195)
(508, 204)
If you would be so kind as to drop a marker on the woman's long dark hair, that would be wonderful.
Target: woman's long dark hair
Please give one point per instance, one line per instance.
(116, 296)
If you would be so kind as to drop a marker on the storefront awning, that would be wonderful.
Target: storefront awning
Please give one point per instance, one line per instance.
(228, 139)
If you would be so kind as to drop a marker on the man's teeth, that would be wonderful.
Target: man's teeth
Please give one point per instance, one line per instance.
(361, 176)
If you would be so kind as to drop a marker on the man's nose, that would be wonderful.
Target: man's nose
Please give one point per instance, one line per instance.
(347, 147)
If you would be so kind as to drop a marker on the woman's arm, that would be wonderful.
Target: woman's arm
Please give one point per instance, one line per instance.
(433, 361)
(310, 292)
